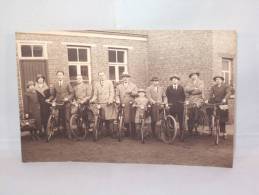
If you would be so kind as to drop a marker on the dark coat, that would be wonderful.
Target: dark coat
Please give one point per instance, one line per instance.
(62, 92)
(32, 107)
(44, 107)
(217, 94)
(175, 96)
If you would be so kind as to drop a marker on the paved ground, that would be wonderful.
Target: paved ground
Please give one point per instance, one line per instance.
(195, 150)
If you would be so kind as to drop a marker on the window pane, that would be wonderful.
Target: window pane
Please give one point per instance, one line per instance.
(112, 72)
(82, 55)
(72, 72)
(121, 70)
(84, 72)
(26, 51)
(120, 55)
(72, 54)
(37, 51)
(225, 64)
(112, 56)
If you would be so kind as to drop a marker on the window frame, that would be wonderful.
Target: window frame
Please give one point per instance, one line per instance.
(32, 44)
(229, 71)
(78, 63)
(118, 64)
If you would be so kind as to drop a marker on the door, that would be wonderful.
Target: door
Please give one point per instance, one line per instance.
(30, 69)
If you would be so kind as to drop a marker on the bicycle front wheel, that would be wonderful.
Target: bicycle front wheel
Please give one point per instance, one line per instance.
(217, 131)
(120, 128)
(50, 128)
(169, 129)
(142, 131)
(78, 127)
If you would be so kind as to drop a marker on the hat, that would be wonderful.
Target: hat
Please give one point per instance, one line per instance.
(125, 74)
(174, 77)
(193, 73)
(221, 77)
(39, 76)
(29, 84)
(154, 79)
(141, 90)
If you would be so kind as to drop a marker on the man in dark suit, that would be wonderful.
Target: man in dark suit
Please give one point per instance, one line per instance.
(219, 93)
(63, 93)
(176, 97)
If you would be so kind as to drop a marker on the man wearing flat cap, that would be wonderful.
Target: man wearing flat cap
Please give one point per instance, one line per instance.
(125, 94)
(195, 93)
(156, 96)
(176, 98)
(219, 93)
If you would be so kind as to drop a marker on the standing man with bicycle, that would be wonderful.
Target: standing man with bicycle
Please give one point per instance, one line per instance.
(195, 92)
(104, 95)
(83, 91)
(125, 94)
(176, 98)
(156, 96)
(219, 94)
(63, 93)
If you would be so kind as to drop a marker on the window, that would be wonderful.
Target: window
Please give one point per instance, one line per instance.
(32, 51)
(79, 62)
(117, 63)
(227, 70)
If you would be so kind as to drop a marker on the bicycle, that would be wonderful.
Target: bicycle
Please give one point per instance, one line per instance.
(120, 121)
(201, 119)
(98, 121)
(214, 120)
(54, 122)
(144, 112)
(80, 122)
(168, 129)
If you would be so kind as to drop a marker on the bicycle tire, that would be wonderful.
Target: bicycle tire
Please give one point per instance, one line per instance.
(120, 129)
(96, 129)
(79, 132)
(50, 128)
(171, 126)
(142, 132)
(217, 132)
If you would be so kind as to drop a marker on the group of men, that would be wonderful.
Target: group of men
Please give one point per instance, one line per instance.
(174, 96)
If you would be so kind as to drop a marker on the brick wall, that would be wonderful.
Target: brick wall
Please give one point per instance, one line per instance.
(163, 54)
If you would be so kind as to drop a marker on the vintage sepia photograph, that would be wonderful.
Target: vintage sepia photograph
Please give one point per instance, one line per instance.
(128, 96)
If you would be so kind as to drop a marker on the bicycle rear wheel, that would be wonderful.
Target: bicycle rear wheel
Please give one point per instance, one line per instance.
(78, 127)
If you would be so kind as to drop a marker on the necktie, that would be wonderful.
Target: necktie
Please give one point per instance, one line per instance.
(60, 83)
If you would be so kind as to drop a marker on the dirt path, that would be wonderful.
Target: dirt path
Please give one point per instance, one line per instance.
(195, 150)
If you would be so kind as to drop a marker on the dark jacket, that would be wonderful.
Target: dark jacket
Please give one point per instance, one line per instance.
(62, 92)
(175, 96)
(217, 94)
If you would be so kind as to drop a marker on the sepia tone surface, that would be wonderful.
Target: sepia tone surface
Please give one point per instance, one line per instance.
(145, 54)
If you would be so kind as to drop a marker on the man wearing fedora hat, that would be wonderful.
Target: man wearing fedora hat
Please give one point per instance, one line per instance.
(176, 98)
(219, 93)
(156, 96)
(195, 93)
(125, 94)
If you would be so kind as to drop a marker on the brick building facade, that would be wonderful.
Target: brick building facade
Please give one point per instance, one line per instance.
(142, 53)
